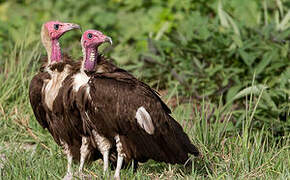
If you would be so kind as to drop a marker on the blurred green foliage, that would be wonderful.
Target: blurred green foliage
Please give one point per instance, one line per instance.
(209, 49)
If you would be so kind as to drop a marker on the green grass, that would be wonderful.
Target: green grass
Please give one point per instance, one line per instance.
(228, 152)
(224, 66)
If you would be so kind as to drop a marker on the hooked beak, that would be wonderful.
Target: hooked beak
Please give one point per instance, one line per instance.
(109, 40)
(71, 26)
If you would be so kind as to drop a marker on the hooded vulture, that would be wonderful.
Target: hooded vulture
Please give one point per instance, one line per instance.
(65, 111)
(45, 86)
(65, 108)
(118, 109)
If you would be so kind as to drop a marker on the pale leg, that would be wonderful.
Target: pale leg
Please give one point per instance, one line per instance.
(120, 159)
(119, 166)
(106, 160)
(69, 174)
(84, 152)
(104, 146)
(69, 163)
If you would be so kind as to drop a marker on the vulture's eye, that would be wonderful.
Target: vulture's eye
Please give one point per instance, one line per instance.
(56, 26)
(90, 35)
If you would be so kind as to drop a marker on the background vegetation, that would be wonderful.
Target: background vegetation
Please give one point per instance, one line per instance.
(223, 66)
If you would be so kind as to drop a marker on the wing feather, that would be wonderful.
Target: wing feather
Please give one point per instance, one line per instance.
(35, 97)
(114, 101)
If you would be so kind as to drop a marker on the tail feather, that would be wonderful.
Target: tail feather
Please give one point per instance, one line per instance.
(177, 144)
(184, 139)
(168, 144)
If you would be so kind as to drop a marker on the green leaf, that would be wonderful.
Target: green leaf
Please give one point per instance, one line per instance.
(285, 23)
(247, 57)
(269, 101)
(267, 58)
(232, 92)
(256, 89)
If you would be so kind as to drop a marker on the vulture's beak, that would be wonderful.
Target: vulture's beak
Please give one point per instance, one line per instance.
(71, 26)
(109, 40)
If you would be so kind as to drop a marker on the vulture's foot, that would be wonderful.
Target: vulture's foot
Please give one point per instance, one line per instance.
(68, 176)
(83, 176)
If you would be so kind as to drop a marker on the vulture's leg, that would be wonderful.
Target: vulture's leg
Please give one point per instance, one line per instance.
(119, 166)
(106, 160)
(84, 152)
(104, 146)
(120, 159)
(69, 164)
(69, 174)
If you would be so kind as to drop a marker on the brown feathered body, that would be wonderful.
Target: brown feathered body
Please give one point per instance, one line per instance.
(72, 128)
(109, 103)
(48, 107)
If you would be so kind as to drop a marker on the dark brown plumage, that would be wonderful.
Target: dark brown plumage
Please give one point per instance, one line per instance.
(126, 112)
(46, 97)
(63, 123)
(45, 116)
(111, 105)
(70, 126)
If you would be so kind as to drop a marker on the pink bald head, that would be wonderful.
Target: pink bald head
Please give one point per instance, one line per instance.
(50, 33)
(91, 40)
(94, 38)
(56, 28)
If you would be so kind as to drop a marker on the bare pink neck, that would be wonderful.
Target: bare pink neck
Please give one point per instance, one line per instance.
(91, 55)
(55, 51)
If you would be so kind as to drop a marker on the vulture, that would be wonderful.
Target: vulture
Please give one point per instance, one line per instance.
(66, 111)
(120, 111)
(44, 89)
